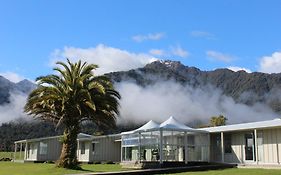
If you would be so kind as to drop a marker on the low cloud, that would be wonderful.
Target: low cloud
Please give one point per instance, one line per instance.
(12, 76)
(202, 34)
(109, 59)
(236, 69)
(157, 52)
(188, 104)
(150, 36)
(179, 51)
(14, 109)
(218, 56)
(271, 64)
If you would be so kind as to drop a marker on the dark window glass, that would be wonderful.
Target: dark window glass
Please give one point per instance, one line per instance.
(82, 147)
(93, 147)
(227, 143)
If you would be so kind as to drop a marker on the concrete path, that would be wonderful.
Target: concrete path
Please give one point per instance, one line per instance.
(165, 170)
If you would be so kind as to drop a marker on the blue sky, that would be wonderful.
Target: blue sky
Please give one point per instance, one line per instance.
(125, 34)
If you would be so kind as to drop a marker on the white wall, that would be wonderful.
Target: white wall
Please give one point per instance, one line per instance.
(268, 147)
(88, 150)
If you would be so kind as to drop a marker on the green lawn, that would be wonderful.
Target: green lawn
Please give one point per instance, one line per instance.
(10, 168)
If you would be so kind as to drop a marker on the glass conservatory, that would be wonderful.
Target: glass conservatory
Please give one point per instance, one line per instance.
(165, 142)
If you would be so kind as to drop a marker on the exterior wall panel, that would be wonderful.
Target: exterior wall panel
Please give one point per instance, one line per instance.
(107, 149)
(268, 147)
(54, 147)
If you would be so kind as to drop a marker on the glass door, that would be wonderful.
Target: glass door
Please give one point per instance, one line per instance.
(249, 147)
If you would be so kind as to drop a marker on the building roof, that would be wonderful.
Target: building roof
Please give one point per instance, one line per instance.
(245, 126)
(148, 126)
(80, 136)
(171, 124)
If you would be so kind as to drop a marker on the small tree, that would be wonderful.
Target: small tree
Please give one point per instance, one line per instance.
(73, 95)
(218, 120)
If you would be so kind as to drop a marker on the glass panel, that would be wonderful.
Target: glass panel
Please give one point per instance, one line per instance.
(130, 140)
(227, 143)
(190, 140)
(43, 148)
(83, 148)
(93, 147)
(130, 153)
(249, 145)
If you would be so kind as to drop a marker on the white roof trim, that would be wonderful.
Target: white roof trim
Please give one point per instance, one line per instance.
(79, 137)
(245, 126)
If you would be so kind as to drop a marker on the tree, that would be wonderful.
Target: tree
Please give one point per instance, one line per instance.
(218, 120)
(70, 97)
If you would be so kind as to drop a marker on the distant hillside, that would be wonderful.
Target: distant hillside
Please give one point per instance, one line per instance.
(247, 88)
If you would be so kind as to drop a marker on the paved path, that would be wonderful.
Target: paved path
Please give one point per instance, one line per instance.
(164, 170)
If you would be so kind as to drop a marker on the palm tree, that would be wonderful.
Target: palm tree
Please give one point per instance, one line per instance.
(70, 97)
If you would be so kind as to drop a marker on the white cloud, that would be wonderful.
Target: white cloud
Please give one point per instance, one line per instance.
(271, 64)
(13, 77)
(150, 36)
(220, 56)
(235, 69)
(14, 109)
(179, 51)
(157, 52)
(186, 103)
(109, 59)
(202, 34)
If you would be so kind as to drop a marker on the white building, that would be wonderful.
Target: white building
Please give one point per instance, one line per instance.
(257, 143)
(89, 148)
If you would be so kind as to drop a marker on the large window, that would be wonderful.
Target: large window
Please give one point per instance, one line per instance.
(227, 143)
(83, 148)
(93, 147)
(43, 148)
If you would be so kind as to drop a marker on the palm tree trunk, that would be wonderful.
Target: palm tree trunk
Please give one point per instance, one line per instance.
(68, 157)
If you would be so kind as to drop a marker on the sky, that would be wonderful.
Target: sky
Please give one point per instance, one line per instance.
(125, 34)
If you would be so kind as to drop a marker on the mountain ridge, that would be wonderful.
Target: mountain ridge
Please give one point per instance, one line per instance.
(243, 87)
(7, 87)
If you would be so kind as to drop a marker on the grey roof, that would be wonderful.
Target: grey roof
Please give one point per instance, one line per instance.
(245, 126)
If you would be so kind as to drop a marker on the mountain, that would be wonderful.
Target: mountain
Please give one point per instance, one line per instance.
(7, 87)
(243, 87)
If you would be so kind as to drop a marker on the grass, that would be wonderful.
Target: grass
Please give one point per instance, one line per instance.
(10, 168)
